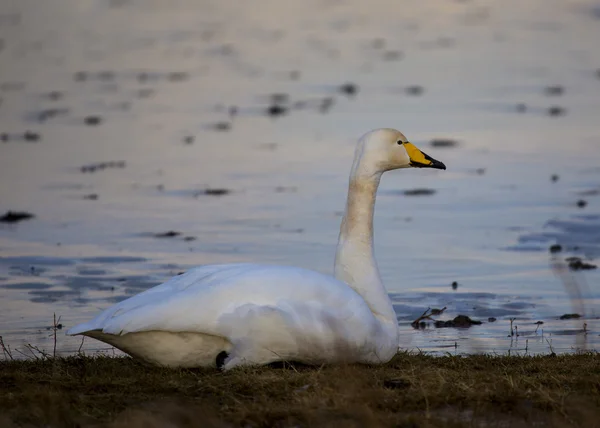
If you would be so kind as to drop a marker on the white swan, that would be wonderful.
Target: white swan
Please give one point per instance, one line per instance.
(247, 314)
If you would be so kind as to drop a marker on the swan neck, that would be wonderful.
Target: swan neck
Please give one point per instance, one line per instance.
(355, 261)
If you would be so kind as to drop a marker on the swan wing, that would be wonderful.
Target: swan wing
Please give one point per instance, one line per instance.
(238, 301)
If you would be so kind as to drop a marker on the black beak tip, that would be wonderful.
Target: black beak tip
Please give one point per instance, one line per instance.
(438, 165)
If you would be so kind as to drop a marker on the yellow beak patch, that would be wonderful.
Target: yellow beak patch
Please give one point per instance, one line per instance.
(419, 159)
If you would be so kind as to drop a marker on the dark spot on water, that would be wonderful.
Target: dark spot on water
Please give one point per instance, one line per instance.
(279, 98)
(222, 126)
(189, 238)
(392, 56)
(31, 136)
(555, 248)
(91, 197)
(295, 75)
(539, 322)
(100, 166)
(276, 110)
(521, 108)
(4, 137)
(554, 90)
(480, 171)
(581, 203)
(50, 113)
(460, 321)
(80, 76)
(169, 234)
(569, 317)
(454, 285)
(189, 139)
(414, 90)
(55, 95)
(92, 120)
(113, 259)
(443, 142)
(178, 76)
(326, 104)
(216, 191)
(28, 286)
(557, 111)
(575, 263)
(106, 75)
(16, 216)
(419, 192)
(491, 319)
(554, 178)
(349, 89)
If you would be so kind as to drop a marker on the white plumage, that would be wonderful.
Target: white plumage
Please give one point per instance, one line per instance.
(253, 314)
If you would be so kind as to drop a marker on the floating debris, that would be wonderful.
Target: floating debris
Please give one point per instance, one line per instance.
(454, 285)
(581, 203)
(491, 319)
(55, 95)
(554, 90)
(443, 142)
(414, 90)
(349, 89)
(102, 165)
(575, 263)
(460, 321)
(216, 192)
(92, 120)
(31, 136)
(554, 178)
(16, 216)
(276, 110)
(50, 113)
(221, 126)
(419, 192)
(169, 234)
(568, 317)
(557, 111)
(556, 248)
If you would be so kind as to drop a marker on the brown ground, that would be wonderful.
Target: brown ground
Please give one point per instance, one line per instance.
(413, 390)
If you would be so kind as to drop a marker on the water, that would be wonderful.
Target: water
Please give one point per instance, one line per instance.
(156, 75)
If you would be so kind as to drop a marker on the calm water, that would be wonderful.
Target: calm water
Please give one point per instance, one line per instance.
(161, 82)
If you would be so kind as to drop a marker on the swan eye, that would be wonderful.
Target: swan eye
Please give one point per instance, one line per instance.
(400, 142)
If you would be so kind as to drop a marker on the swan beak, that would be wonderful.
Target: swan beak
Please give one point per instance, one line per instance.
(418, 159)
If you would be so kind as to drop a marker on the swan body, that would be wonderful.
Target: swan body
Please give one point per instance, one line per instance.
(250, 314)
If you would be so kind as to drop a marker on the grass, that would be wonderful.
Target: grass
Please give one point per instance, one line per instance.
(413, 390)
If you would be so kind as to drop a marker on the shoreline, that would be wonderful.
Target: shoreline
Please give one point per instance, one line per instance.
(414, 389)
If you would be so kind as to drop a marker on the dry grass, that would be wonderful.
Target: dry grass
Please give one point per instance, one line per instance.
(413, 390)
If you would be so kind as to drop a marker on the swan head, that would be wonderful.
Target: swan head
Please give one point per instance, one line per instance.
(386, 149)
